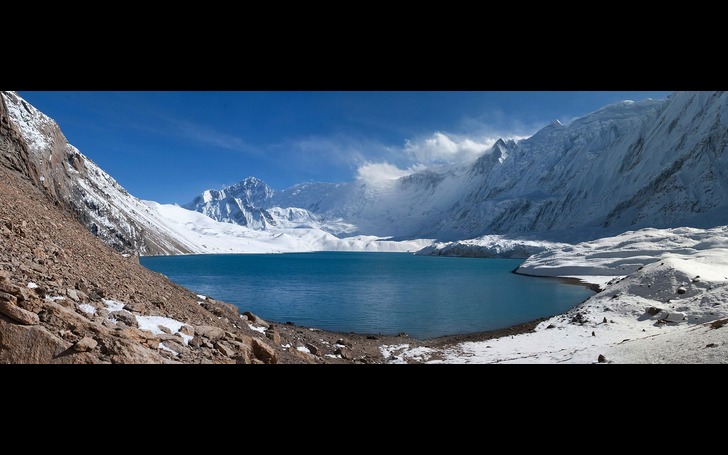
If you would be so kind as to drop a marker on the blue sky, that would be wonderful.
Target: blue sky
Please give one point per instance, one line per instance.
(170, 146)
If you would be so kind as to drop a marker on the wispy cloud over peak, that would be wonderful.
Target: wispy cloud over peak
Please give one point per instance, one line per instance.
(441, 148)
(382, 172)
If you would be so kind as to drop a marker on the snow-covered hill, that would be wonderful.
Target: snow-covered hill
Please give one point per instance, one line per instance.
(652, 163)
(663, 300)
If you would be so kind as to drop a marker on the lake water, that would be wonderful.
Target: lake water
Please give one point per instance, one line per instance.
(377, 293)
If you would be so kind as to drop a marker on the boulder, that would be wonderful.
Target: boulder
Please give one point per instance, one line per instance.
(313, 349)
(226, 350)
(212, 333)
(344, 352)
(263, 352)
(187, 330)
(36, 345)
(256, 320)
(18, 314)
(85, 344)
(125, 317)
(274, 336)
(134, 307)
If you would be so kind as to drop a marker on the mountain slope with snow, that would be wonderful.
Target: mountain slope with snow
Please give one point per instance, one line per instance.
(73, 181)
(652, 163)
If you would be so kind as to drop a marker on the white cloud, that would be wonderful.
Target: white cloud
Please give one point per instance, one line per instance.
(441, 148)
(379, 172)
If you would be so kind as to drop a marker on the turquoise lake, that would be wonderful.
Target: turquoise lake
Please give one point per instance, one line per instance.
(374, 293)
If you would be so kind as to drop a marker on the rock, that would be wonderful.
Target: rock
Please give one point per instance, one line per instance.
(344, 352)
(312, 348)
(604, 321)
(125, 317)
(134, 307)
(718, 323)
(73, 295)
(34, 345)
(195, 342)
(5, 297)
(601, 358)
(263, 352)
(4, 275)
(40, 291)
(177, 345)
(164, 329)
(224, 349)
(10, 288)
(256, 320)
(241, 349)
(187, 330)
(141, 337)
(85, 344)
(33, 304)
(171, 337)
(675, 317)
(681, 290)
(274, 336)
(652, 310)
(344, 342)
(18, 314)
(243, 357)
(210, 332)
(593, 334)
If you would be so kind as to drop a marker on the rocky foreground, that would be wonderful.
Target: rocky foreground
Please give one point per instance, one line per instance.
(67, 297)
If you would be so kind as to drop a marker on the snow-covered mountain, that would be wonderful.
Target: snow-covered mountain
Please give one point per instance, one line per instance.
(652, 163)
(40, 153)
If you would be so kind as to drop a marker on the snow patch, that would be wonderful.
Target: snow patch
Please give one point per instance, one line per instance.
(86, 308)
(257, 329)
(163, 347)
(113, 305)
(152, 324)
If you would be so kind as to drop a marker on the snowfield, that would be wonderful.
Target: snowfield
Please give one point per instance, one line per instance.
(203, 235)
(665, 301)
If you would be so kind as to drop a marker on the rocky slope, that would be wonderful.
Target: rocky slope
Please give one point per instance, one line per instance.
(72, 181)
